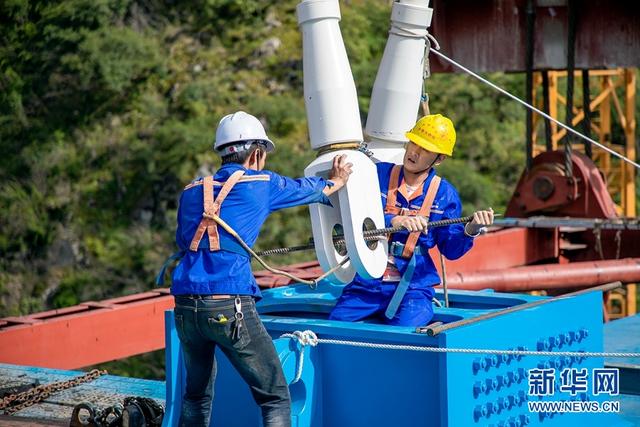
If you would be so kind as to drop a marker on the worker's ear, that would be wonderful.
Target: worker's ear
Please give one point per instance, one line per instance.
(440, 159)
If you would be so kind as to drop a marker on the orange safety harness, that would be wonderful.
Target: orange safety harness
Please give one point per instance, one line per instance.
(211, 208)
(425, 209)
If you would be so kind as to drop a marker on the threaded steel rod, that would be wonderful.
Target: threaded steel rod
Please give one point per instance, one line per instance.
(368, 235)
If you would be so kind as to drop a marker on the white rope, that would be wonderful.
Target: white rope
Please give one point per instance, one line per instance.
(304, 338)
(310, 338)
(531, 107)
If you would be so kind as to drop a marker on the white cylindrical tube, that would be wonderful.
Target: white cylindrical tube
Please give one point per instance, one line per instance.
(329, 90)
(398, 86)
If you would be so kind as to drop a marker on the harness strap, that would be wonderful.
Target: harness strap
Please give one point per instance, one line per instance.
(393, 190)
(402, 288)
(246, 178)
(425, 210)
(401, 211)
(212, 207)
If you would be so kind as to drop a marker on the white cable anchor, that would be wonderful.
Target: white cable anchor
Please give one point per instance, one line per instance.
(304, 338)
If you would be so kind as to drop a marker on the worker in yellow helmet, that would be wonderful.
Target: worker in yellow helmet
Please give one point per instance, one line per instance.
(412, 194)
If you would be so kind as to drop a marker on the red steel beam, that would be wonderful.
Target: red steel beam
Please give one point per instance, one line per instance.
(506, 248)
(491, 35)
(549, 276)
(88, 333)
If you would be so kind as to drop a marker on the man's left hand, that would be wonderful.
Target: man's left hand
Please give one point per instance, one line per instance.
(480, 219)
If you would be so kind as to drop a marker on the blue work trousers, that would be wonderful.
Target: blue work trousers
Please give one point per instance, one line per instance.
(360, 301)
(201, 329)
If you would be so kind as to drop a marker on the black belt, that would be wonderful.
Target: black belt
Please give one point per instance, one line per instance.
(212, 297)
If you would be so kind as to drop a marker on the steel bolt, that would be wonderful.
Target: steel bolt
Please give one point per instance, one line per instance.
(523, 397)
(508, 379)
(479, 364)
(495, 408)
(568, 339)
(558, 363)
(519, 356)
(504, 403)
(584, 333)
(492, 384)
(493, 360)
(514, 401)
(543, 345)
(574, 335)
(505, 358)
(479, 412)
(544, 365)
(478, 388)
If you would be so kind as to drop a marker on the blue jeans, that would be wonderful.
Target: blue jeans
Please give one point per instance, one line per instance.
(250, 350)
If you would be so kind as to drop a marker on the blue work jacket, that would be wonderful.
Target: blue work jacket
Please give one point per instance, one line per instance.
(245, 209)
(451, 240)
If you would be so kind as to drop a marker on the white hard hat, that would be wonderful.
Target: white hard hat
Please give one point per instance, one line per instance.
(238, 128)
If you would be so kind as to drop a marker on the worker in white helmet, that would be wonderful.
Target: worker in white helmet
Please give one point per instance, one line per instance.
(214, 288)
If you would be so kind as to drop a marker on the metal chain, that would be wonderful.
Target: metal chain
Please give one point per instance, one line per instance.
(16, 402)
(309, 338)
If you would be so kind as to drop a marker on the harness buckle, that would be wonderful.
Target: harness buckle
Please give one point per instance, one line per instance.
(396, 249)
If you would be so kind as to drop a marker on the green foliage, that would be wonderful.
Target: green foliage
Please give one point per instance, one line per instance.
(108, 107)
(148, 365)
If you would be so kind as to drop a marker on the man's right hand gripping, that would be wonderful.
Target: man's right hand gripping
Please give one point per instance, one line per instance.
(339, 174)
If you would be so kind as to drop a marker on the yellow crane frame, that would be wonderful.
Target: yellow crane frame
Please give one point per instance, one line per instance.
(617, 88)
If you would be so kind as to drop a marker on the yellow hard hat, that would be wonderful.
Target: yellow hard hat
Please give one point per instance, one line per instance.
(435, 133)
